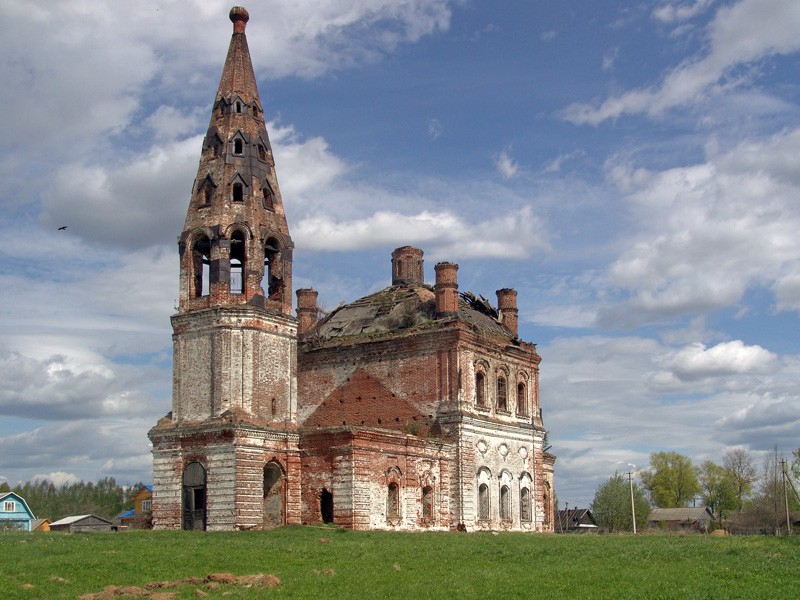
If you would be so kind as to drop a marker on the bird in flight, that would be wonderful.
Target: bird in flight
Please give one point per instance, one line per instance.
(62, 228)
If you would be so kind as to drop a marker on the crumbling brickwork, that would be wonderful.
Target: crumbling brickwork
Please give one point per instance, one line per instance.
(414, 408)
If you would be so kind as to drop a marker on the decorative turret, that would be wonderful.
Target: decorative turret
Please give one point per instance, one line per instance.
(307, 311)
(235, 246)
(407, 266)
(446, 289)
(507, 307)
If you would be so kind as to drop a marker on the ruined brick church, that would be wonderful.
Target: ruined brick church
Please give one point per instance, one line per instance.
(413, 408)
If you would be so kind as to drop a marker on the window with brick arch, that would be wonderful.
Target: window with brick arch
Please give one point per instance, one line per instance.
(505, 504)
(522, 399)
(480, 389)
(483, 502)
(393, 501)
(525, 505)
(201, 265)
(502, 400)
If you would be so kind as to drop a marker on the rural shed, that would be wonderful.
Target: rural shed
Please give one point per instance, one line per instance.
(698, 519)
(81, 523)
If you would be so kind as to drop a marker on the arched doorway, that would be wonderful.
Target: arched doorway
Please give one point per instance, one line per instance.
(273, 495)
(326, 506)
(194, 497)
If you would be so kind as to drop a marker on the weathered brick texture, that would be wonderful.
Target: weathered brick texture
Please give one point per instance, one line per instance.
(414, 408)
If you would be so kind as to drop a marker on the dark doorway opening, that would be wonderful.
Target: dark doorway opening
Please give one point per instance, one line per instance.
(326, 506)
(194, 497)
(273, 495)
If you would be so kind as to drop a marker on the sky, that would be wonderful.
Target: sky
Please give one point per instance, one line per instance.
(631, 168)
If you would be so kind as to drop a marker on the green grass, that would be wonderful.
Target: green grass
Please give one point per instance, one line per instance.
(356, 565)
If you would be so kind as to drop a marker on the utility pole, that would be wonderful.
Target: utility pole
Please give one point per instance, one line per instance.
(786, 497)
(633, 506)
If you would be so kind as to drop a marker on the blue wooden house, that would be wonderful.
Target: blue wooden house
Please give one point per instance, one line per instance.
(14, 513)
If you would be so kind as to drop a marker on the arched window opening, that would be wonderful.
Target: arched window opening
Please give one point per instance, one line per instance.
(194, 497)
(548, 508)
(269, 197)
(480, 389)
(238, 192)
(238, 107)
(273, 508)
(326, 506)
(502, 402)
(262, 152)
(483, 502)
(238, 146)
(237, 263)
(427, 504)
(522, 400)
(272, 269)
(505, 504)
(208, 194)
(201, 266)
(393, 501)
(525, 505)
(274, 407)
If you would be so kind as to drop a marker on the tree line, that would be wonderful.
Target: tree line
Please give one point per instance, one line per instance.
(103, 498)
(737, 492)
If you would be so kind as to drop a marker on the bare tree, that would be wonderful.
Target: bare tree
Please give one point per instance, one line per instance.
(743, 472)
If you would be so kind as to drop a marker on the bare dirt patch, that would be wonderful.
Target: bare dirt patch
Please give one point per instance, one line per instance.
(154, 589)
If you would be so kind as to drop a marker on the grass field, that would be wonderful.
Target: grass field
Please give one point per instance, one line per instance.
(316, 563)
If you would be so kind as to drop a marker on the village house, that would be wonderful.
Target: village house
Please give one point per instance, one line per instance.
(413, 408)
(675, 519)
(14, 513)
(141, 515)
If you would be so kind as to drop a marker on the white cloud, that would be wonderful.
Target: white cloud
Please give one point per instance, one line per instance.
(710, 231)
(57, 478)
(505, 165)
(696, 361)
(514, 235)
(675, 13)
(739, 35)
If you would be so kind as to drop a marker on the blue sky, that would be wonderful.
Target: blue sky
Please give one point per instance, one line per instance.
(630, 168)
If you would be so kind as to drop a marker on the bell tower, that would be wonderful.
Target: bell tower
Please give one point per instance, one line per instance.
(226, 456)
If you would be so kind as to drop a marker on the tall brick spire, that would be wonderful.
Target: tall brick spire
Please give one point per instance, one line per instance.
(235, 246)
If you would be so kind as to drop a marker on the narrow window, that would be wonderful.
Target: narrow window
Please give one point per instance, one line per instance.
(480, 389)
(505, 504)
(483, 502)
(525, 505)
(237, 263)
(272, 273)
(427, 504)
(522, 400)
(238, 192)
(274, 407)
(393, 501)
(238, 146)
(502, 404)
(9, 506)
(262, 152)
(201, 266)
(269, 198)
(146, 506)
(238, 107)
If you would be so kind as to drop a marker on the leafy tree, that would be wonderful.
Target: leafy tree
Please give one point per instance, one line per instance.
(611, 506)
(671, 480)
(743, 473)
(4, 487)
(719, 490)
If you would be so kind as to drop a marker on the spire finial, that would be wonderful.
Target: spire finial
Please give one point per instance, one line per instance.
(239, 16)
